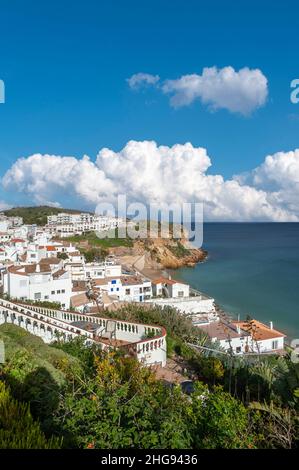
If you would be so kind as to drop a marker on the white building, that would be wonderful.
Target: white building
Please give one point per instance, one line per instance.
(13, 221)
(43, 281)
(242, 337)
(163, 287)
(65, 225)
(76, 270)
(263, 338)
(191, 306)
(4, 236)
(81, 271)
(101, 270)
(125, 288)
(67, 218)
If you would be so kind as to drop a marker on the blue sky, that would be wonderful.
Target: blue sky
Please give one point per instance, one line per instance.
(65, 66)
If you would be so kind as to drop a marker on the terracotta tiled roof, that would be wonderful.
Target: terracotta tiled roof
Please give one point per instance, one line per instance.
(222, 330)
(164, 280)
(259, 330)
(79, 299)
(24, 270)
(51, 260)
(79, 285)
(131, 280)
(59, 273)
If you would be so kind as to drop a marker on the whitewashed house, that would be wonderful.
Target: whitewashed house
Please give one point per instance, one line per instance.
(76, 270)
(4, 237)
(242, 337)
(263, 338)
(163, 287)
(101, 270)
(126, 288)
(41, 281)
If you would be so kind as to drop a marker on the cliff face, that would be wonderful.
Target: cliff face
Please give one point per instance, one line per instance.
(164, 253)
(169, 260)
(174, 254)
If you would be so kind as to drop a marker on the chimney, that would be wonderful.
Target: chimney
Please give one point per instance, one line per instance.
(37, 269)
(271, 325)
(238, 329)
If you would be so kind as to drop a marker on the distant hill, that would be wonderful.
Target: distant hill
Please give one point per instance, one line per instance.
(37, 214)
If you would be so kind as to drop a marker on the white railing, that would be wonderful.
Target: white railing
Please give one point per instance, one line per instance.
(147, 350)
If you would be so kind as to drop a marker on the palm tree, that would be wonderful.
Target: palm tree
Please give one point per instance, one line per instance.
(279, 424)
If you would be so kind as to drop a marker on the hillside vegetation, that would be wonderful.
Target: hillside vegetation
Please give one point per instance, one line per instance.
(26, 353)
(37, 214)
(82, 397)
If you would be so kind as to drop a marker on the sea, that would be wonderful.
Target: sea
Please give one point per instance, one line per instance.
(251, 269)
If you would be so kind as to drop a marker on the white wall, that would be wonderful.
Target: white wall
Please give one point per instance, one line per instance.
(262, 347)
(101, 270)
(187, 305)
(266, 345)
(234, 343)
(175, 289)
(26, 287)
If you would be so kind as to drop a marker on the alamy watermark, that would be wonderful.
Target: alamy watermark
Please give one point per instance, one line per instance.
(2, 92)
(137, 220)
(295, 93)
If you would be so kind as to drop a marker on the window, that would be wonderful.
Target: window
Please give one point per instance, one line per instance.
(52, 292)
(58, 292)
(113, 282)
(275, 344)
(117, 288)
(46, 297)
(63, 291)
(128, 291)
(37, 296)
(238, 349)
(112, 289)
(180, 293)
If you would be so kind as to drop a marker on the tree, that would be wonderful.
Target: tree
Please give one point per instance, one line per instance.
(62, 255)
(18, 430)
(277, 426)
(220, 421)
(124, 406)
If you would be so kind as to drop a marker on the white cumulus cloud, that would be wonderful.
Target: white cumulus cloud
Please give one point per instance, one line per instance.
(146, 172)
(279, 176)
(240, 91)
(140, 79)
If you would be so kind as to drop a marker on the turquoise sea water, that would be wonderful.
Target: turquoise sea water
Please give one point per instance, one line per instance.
(251, 269)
